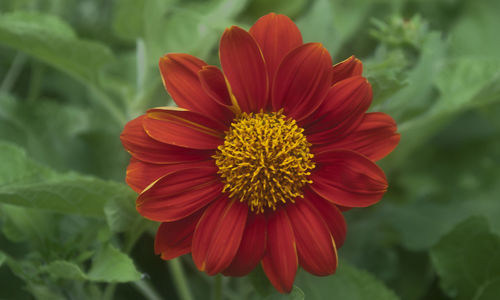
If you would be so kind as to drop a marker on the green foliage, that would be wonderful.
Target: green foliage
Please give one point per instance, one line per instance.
(54, 42)
(64, 269)
(73, 72)
(467, 261)
(338, 22)
(111, 265)
(2, 258)
(295, 294)
(348, 283)
(26, 183)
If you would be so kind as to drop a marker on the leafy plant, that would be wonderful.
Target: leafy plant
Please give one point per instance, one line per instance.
(72, 73)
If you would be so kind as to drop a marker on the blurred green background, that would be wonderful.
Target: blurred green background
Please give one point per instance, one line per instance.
(73, 72)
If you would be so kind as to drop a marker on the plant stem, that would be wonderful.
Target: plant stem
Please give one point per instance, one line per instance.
(136, 233)
(218, 287)
(13, 72)
(146, 290)
(107, 103)
(180, 279)
(141, 64)
(139, 227)
(37, 70)
(109, 291)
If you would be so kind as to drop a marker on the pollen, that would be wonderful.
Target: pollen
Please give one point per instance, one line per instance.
(265, 160)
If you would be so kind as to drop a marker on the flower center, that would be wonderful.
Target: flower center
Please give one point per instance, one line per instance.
(265, 160)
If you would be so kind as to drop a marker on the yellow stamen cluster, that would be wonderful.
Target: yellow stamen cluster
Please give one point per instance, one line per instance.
(265, 160)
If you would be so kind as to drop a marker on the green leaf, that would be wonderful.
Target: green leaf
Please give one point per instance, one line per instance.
(121, 216)
(187, 27)
(43, 292)
(386, 73)
(260, 283)
(400, 31)
(295, 294)
(64, 269)
(332, 23)
(467, 261)
(258, 8)
(476, 32)
(111, 265)
(468, 82)
(52, 41)
(44, 127)
(464, 181)
(414, 99)
(26, 183)
(20, 224)
(347, 283)
(2, 258)
(463, 83)
(128, 19)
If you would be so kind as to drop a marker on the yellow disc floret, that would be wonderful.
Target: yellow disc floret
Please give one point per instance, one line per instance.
(265, 160)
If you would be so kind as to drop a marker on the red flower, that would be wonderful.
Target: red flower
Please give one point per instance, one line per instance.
(256, 162)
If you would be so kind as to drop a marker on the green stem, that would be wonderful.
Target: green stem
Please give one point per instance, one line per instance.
(106, 102)
(137, 231)
(37, 70)
(109, 291)
(13, 72)
(180, 279)
(218, 287)
(141, 64)
(146, 290)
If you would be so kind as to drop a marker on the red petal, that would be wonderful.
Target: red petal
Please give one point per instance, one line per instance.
(331, 215)
(141, 174)
(213, 83)
(144, 148)
(252, 247)
(180, 77)
(183, 128)
(347, 68)
(276, 35)
(280, 261)
(179, 194)
(341, 112)
(375, 137)
(243, 64)
(347, 178)
(315, 245)
(174, 238)
(302, 81)
(218, 235)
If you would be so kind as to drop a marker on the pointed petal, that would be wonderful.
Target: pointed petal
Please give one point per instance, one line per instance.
(218, 235)
(331, 215)
(183, 128)
(174, 238)
(179, 194)
(375, 137)
(180, 77)
(213, 83)
(252, 247)
(276, 35)
(341, 112)
(315, 245)
(302, 81)
(280, 261)
(245, 70)
(347, 178)
(141, 174)
(143, 147)
(347, 68)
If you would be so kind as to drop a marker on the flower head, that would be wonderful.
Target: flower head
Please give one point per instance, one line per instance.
(260, 158)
